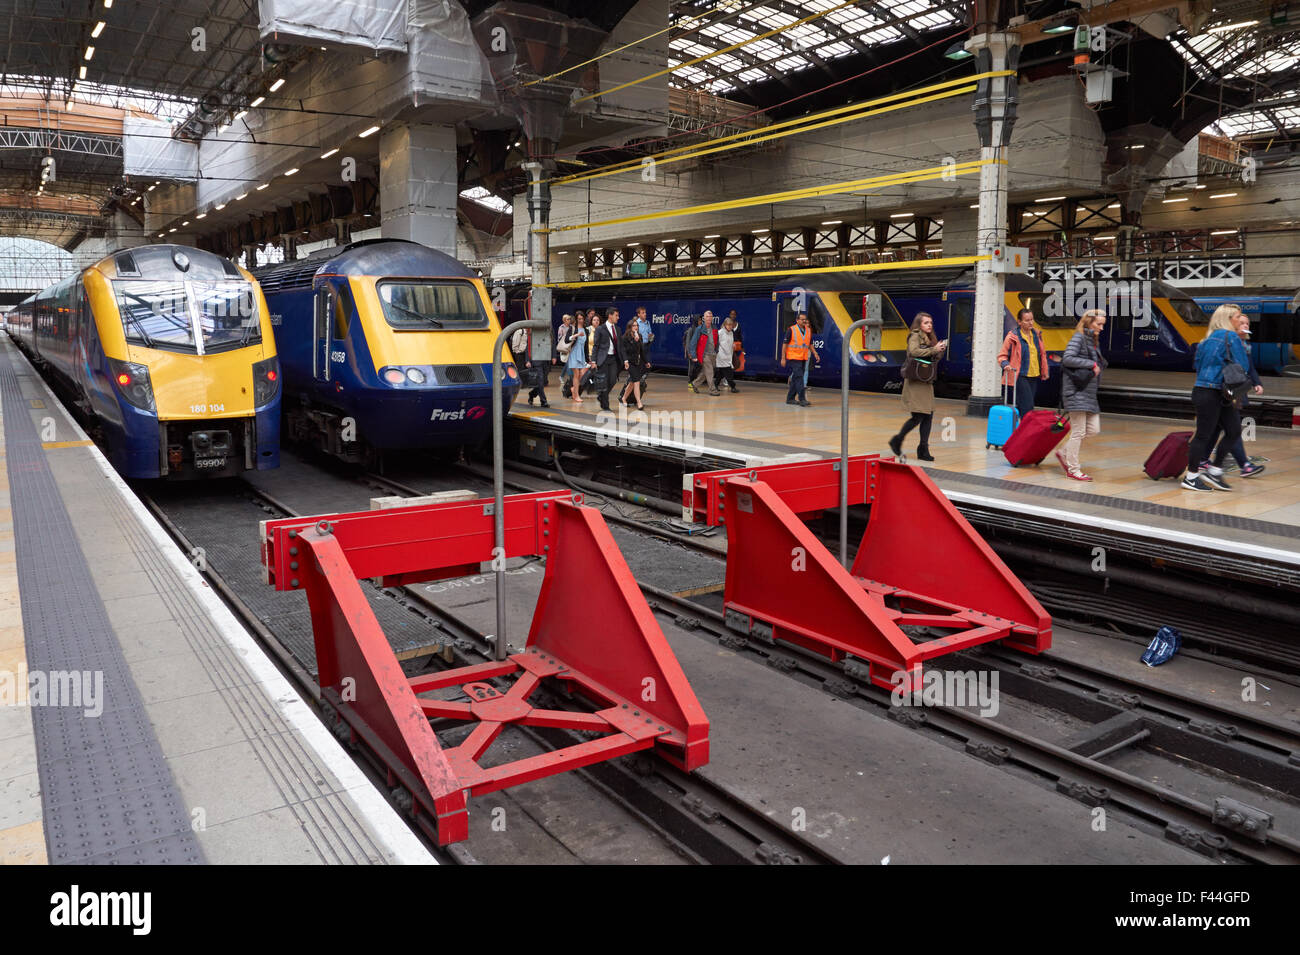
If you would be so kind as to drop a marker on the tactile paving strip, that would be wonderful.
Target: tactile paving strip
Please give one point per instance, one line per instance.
(1125, 504)
(107, 795)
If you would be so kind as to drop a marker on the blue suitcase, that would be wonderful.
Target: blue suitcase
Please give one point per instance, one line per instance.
(1003, 419)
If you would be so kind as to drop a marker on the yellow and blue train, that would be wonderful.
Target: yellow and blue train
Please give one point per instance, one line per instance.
(385, 345)
(168, 353)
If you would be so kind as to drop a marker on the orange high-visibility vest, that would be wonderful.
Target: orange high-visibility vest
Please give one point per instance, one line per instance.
(800, 340)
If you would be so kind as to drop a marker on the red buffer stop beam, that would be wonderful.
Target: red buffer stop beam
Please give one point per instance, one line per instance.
(919, 565)
(592, 634)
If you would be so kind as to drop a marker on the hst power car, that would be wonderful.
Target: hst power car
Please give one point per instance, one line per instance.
(167, 352)
(385, 345)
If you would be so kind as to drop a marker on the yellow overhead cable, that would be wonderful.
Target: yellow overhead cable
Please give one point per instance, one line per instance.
(809, 192)
(729, 49)
(804, 124)
(667, 29)
(774, 273)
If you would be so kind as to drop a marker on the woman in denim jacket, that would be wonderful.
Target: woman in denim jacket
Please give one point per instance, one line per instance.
(1212, 412)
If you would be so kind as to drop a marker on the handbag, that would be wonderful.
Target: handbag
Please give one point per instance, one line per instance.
(918, 369)
(1235, 380)
(534, 377)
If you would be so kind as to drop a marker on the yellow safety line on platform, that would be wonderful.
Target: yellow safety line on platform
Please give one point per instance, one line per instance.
(651, 36)
(852, 185)
(66, 444)
(729, 49)
(773, 273)
(801, 122)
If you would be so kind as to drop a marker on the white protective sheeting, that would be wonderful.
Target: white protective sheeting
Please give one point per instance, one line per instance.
(374, 24)
(148, 149)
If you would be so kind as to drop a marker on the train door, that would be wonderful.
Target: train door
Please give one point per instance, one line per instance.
(788, 305)
(961, 318)
(324, 319)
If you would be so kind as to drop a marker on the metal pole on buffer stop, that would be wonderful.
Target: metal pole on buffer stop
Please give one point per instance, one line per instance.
(846, 341)
(499, 477)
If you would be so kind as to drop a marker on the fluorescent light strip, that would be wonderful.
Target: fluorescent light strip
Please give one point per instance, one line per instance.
(99, 28)
(1223, 195)
(257, 102)
(372, 129)
(330, 153)
(277, 84)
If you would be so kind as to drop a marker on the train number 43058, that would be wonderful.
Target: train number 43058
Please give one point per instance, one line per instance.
(207, 409)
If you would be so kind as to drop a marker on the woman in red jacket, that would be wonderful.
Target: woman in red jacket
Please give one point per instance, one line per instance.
(1024, 362)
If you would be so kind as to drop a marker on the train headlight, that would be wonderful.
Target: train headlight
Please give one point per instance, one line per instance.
(511, 371)
(415, 376)
(394, 376)
(133, 383)
(266, 381)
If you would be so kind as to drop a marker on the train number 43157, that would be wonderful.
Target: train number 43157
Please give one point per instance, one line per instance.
(207, 409)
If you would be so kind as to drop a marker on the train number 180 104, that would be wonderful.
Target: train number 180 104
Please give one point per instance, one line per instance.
(207, 409)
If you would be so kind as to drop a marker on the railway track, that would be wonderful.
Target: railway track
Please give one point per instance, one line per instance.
(1257, 751)
(703, 822)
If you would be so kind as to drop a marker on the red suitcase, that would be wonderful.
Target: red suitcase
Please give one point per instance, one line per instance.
(1039, 432)
(1169, 459)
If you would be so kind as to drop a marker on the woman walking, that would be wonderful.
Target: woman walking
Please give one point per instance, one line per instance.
(726, 355)
(635, 361)
(1024, 362)
(918, 396)
(1215, 399)
(1247, 467)
(578, 364)
(1081, 367)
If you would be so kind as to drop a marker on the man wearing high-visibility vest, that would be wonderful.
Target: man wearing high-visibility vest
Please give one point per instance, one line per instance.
(794, 354)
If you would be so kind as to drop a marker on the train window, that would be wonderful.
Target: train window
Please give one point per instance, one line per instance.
(227, 313)
(790, 308)
(1046, 317)
(961, 309)
(431, 305)
(1189, 311)
(342, 314)
(890, 318)
(155, 314)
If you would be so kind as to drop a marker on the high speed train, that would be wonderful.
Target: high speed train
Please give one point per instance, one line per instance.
(766, 307)
(385, 345)
(168, 353)
(1274, 323)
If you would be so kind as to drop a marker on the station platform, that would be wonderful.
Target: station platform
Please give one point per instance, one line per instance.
(139, 722)
(1258, 519)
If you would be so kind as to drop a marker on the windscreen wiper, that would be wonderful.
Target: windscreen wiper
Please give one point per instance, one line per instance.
(420, 315)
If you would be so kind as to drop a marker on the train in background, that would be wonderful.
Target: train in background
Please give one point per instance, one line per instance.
(385, 345)
(167, 353)
(1274, 323)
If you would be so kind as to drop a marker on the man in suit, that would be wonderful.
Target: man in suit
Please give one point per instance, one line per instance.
(607, 353)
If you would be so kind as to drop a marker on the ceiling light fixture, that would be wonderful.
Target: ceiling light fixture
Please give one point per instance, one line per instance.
(220, 206)
(201, 215)
(1224, 232)
(277, 84)
(1168, 201)
(263, 186)
(1051, 199)
(1223, 195)
(290, 172)
(90, 52)
(242, 195)
(901, 215)
(330, 153)
(372, 129)
(957, 52)
(257, 102)
(832, 222)
(81, 72)
(99, 28)
(241, 114)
